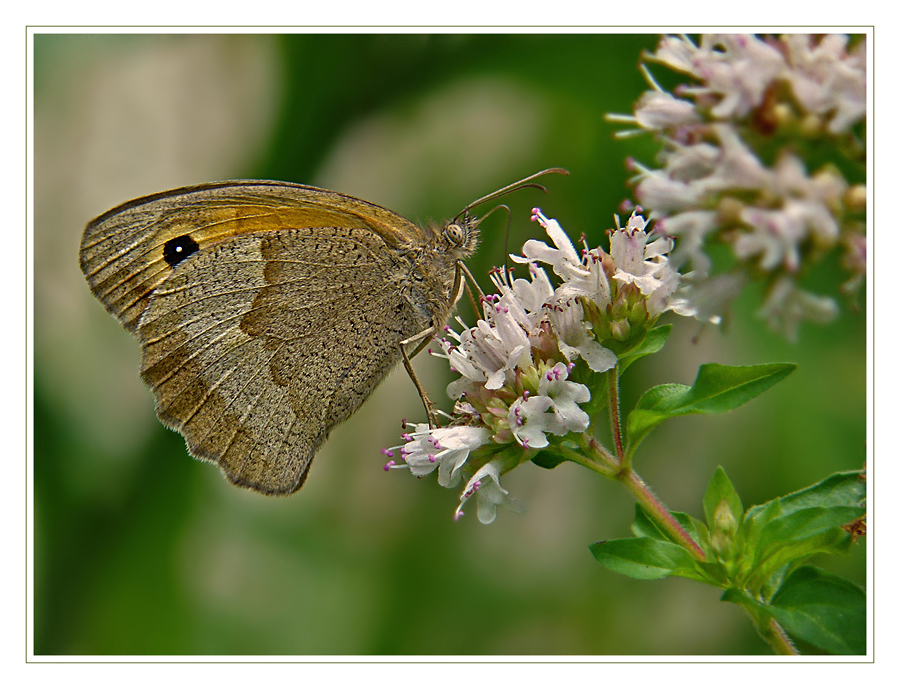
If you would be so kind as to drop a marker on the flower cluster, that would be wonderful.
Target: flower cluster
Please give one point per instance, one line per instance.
(524, 365)
(738, 144)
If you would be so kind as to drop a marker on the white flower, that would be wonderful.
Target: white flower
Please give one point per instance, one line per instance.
(662, 297)
(660, 110)
(705, 298)
(677, 53)
(773, 236)
(501, 342)
(687, 162)
(565, 397)
(786, 305)
(714, 184)
(737, 69)
(737, 166)
(691, 228)
(575, 336)
(445, 449)
(635, 260)
(530, 421)
(485, 484)
(554, 410)
(516, 348)
(776, 235)
(644, 265)
(487, 353)
(525, 299)
(664, 193)
(656, 110)
(563, 259)
(826, 79)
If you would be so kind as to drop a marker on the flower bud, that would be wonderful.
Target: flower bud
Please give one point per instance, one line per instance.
(721, 545)
(811, 125)
(724, 520)
(729, 210)
(620, 329)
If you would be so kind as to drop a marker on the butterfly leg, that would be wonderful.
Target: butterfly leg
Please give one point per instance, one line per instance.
(420, 340)
(464, 285)
(407, 363)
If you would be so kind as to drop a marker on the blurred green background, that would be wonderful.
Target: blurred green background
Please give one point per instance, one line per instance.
(141, 550)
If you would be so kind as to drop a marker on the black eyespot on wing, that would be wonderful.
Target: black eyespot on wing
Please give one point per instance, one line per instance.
(178, 249)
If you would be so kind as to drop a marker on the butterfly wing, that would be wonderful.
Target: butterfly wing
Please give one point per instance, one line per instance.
(256, 342)
(124, 251)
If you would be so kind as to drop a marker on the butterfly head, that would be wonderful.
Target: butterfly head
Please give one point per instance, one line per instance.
(460, 236)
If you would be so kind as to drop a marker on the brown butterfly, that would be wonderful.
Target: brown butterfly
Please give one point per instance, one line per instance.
(267, 312)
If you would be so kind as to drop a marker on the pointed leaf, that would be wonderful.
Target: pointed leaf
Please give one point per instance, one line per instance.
(716, 389)
(800, 535)
(843, 489)
(720, 489)
(548, 460)
(645, 558)
(644, 525)
(822, 609)
(798, 525)
(652, 343)
(803, 524)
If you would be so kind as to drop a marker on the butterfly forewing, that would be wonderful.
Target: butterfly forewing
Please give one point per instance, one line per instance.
(124, 251)
(261, 311)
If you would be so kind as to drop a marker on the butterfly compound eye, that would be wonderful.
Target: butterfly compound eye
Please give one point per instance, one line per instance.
(455, 234)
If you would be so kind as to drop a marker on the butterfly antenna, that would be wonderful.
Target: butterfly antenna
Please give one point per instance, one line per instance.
(525, 183)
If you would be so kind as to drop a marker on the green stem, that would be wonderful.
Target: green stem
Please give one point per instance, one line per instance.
(659, 512)
(615, 416)
(771, 632)
(780, 641)
(592, 456)
(597, 458)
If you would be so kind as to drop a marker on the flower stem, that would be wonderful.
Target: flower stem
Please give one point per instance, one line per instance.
(597, 458)
(593, 456)
(779, 640)
(659, 512)
(615, 416)
(772, 633)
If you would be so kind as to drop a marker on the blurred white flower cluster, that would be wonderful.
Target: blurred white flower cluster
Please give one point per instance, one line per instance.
(764, 152)
(524, 365)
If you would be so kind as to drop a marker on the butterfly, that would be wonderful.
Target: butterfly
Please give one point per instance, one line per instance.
(267, 312)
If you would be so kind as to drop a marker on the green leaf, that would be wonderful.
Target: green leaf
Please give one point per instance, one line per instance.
(716, 389)
(803, 524)
(654, 341)
(644, 525)
(645, 558)
(548, 460)
(598, 384)
(822, 609)
(740, 597)
(720, 489)
(798, 525)
(843, 489)
(798, 536)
